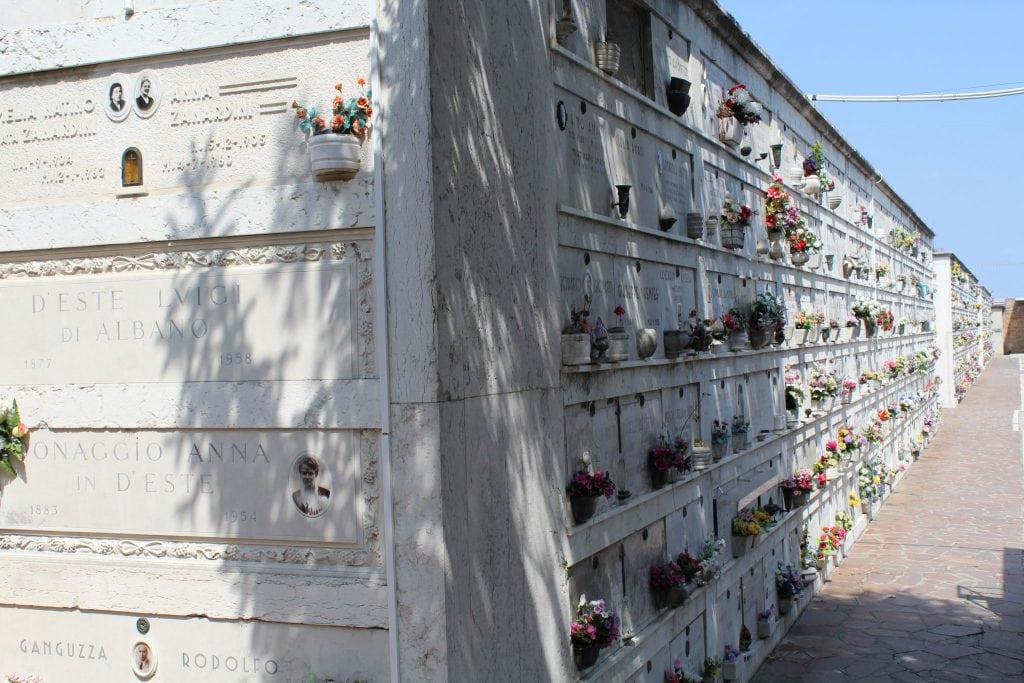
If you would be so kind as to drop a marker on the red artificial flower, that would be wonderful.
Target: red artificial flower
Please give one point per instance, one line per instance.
(619, 310)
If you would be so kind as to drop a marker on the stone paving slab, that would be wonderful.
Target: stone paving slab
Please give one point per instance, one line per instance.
(934, 589)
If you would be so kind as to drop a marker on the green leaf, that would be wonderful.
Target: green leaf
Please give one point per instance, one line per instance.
(5, 467)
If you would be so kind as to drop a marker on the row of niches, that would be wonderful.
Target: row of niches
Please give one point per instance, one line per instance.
(774, 147)
(658, 191)
(639, 441)
(724, 580)
(620, 309)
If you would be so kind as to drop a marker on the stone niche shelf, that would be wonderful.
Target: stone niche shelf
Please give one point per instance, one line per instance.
(616, 237)
(657, 634)
(617, 522)
(649, 375)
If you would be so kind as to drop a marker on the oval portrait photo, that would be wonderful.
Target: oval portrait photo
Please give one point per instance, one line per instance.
(311, 485)
(146, 95)
(115, 99)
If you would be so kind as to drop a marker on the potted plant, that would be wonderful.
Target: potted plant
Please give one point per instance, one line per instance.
(335, 140)
(824, 386)
(733, 223)
(618, 339)
(767, 317)
(788, 585)
(720, 433)
(735, 321)
(730, 656)
(14, 437)
(740, 433)
(803, 322)
(594, 628)
(867, 310)
(816, 179)
(668, 453)
(712, 670)
(794, 398)
(802, 243)
(846, 390)
(678, 675)
(765, 622)
(746, 525)
(584, 489)
(797, 488)
(576, 337)
(736, 111)
(668, 585)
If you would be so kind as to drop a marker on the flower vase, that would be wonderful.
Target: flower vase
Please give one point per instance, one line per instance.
(646, 343)
(811, 186)
(575, 349)
(678, 95)
(729, 671)
(785, 605)
(606, 56)
(800, 498)
(798, 258)
(334, 156)
(800, 336)
(583, 508)
(777, 251)
(694, 226)
(732, 236)
(585, 656)
(700, 457)
(618, 345)
(660, 596)
(739, 340)
(658, 477)
(741, 544)
(787, 498)
(673, 341)
(814, 261)
(834, 200)
(846, 397)
(677, 595)
(739, 441)
(719, 449)
(730, 131)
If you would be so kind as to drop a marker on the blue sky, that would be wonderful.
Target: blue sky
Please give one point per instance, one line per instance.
(953, 162)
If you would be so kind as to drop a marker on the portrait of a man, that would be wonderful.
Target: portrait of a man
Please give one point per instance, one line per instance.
(144, 101)
(146, 95)
(311, 497)
(143, 660)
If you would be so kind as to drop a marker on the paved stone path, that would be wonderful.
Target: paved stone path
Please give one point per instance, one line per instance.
(933, 590)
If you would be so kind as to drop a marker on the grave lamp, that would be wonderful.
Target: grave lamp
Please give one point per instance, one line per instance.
(623, 203)
(776, 155)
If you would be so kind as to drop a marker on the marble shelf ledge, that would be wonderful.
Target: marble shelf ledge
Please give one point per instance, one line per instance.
(658, 633)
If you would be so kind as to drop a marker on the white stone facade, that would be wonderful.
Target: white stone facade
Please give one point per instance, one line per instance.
(183, 345)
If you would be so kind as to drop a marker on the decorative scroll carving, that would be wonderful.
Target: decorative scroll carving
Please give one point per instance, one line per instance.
(177, 260)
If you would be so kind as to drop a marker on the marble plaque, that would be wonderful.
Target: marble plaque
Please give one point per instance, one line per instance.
(600, 151)
(278, 321)
(223, 118)
(641, 425)
(675, 184)
(596, 434)
(645, 295)
(58, 645)
(257, 486)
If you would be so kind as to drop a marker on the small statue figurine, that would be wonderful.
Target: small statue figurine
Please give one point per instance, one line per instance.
(599, 341)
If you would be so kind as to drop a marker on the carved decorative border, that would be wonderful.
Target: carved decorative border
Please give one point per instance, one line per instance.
(370, 554)
(367, 556)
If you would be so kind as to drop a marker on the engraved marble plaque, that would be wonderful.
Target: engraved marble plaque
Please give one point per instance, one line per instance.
(600, 151)
(280, 321)
(224, 118)
(69, 645)
(641, 425)
(258, 486)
